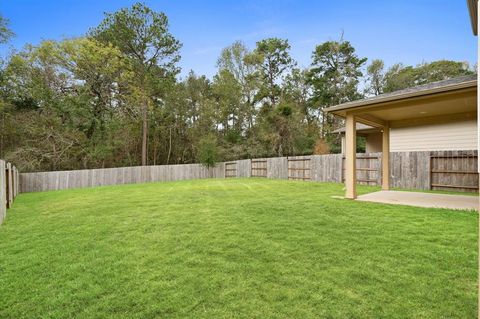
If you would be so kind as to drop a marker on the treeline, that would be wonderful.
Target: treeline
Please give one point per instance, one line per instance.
(114, 97)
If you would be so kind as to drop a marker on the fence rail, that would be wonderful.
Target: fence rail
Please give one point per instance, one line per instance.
(47, 181)
(438, 170)
(411, 170)
(9, 187)
(454, 170)
(259, 168)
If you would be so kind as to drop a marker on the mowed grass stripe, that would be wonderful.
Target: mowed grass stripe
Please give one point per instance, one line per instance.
(228, 248)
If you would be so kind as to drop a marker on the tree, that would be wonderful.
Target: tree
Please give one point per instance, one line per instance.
(234, 59)
(298, 90)
(5, 32)
(228, 95)
(103, 71)
(39, 112)
(400, 77)
(441, 70)
(71, 88)
(207, 151)
(375, 78)
(142, 35)
(77, 103)
(334, 76)
(272, 60)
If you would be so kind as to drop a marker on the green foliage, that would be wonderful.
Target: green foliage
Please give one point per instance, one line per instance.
(233, 248)
(68, 87)
(375, 78)
(335, 73)
(334, 77)
(5, 32)
(208, 151)
(400, 77)
(361, 144)
(142, 35)
(272, 59)
(114, 97)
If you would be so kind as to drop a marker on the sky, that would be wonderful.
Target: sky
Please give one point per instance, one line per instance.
(407, 31)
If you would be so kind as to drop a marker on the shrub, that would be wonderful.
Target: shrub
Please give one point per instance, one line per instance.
(208, 151)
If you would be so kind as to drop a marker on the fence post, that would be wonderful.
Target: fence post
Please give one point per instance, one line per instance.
(8, 179)
(3, 188)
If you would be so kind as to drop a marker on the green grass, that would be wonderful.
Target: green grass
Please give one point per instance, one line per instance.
(233, 248)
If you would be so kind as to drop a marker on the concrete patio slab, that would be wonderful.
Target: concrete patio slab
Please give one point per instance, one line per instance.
(422, 199)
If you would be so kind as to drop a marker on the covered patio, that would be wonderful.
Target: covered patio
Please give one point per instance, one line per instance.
(437, 102)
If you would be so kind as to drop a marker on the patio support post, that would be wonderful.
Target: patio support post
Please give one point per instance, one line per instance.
(386, 157)
(350, 157)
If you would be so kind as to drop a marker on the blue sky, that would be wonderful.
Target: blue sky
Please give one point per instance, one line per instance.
(408, 31)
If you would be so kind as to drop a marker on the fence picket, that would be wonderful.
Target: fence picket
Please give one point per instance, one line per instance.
(411, 170)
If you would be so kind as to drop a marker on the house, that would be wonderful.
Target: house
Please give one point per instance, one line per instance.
(473, 10)
(441, 115)
(437, 116)
(457, 131)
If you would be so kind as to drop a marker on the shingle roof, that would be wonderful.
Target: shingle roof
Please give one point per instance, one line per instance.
(416, 90)
(431, 85)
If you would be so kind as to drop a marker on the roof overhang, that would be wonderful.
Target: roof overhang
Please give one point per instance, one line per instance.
(473, 10)
(452, 101)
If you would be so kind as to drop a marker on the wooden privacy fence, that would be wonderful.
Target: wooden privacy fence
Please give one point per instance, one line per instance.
(454, 170)
(47, 181)
(9, 187)
(427, 170)
(368, 169)
(299, 168)
(230, 169)
(259, 168)
(411, 170)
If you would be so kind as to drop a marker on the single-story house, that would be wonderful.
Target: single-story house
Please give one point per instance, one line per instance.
(456, 131)
(435, 116)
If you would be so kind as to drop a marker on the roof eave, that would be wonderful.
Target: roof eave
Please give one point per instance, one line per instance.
(473, 10)
(366, 102)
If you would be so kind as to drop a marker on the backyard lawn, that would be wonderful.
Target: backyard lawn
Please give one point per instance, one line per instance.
(233, 248)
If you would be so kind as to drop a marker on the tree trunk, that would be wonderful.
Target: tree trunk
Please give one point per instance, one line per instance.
(169, 146)
(2, 136)
(144, 135)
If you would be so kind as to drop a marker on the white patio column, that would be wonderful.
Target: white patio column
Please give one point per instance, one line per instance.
(386, 157)
(350, 157)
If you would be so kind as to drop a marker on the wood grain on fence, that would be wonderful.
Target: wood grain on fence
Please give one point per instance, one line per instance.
(409, 170)
(299, 168)
(3, 189)
(454, 170)
(9, 180)
(9, 187)
(46, 181)
(326, 168)
(244, 168)
(259, 167)
(277, 167)
(368, 168)
(230, 169)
